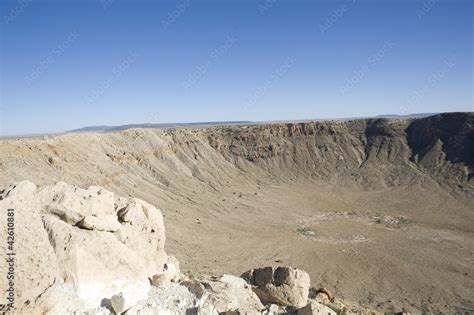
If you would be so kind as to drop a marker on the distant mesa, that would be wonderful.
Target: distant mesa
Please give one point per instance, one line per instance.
(161, 125)
(409, 116)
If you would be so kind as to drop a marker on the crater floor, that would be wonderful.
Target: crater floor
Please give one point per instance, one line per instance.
(404, 247)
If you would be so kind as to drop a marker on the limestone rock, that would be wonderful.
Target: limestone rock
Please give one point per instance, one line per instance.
(171, 298)
(58, 300)
(172, 269)
(170, 273)
(91, 201)
(105, 222)
(274, 309)
(143, 232)
(19, 191)
(123, 301)
(284, 286)
(315, 308)
(119, 303)
(321, 295)
(68, 216)
(35, 264)
(96, 263)
(228, 294)
(73, 253)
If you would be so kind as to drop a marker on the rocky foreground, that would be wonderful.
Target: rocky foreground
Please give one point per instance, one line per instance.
(87, 251)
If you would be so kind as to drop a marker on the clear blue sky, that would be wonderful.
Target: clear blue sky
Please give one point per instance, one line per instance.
(68, 64)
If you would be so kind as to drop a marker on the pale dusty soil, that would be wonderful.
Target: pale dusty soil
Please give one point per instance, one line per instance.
(355, 212)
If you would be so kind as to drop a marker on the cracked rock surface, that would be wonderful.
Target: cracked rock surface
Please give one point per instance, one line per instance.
(75, 240)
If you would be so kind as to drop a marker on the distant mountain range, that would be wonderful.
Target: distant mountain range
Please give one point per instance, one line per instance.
(411, 116)
(221, 123)
(161, 125)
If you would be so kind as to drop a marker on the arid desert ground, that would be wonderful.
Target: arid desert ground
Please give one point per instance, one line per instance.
(380, 212)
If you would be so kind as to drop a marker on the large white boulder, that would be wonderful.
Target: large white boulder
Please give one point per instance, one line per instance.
(27, 256)
(96, 263)
(143, 232)
(96, 245)
(284, 286)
